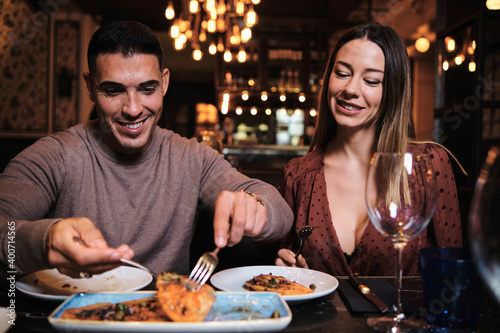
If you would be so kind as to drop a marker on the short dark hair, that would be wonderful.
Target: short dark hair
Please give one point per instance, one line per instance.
(125, 37)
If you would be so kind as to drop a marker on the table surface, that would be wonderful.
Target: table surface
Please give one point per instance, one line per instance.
(325, 314)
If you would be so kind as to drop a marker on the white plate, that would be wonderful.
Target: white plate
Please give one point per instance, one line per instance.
(8, 319)
(51, 285)
(231, 312)
(233, 279)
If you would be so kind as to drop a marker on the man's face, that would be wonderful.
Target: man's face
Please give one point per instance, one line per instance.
(128, 93)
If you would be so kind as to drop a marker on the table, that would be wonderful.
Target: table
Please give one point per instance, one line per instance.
(323, 315)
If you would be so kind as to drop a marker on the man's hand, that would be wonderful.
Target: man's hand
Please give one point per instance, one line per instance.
(237, 214)
(75, 245)
(287, 258)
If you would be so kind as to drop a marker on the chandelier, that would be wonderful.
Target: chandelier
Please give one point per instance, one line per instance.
(224, 25)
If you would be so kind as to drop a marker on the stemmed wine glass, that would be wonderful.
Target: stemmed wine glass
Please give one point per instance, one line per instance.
(400, 198)
(484, 221)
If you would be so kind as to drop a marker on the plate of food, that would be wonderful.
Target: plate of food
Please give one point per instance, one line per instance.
(296, 285)
(49, 284)
(172, 309)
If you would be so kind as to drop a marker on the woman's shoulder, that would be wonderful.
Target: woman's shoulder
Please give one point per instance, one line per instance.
(430, 148)
(311, 161)
(437, 152)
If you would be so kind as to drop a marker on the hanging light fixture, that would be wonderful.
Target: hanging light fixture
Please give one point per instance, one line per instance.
(224, 23)
(422, 44)
(169, 11)
(493, 4)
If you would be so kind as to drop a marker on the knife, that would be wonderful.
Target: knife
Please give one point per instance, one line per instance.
(370, 295)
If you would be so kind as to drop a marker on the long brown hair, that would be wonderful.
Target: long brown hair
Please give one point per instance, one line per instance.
(394, 122)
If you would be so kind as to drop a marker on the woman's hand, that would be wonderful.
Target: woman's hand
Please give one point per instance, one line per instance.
(287, 258)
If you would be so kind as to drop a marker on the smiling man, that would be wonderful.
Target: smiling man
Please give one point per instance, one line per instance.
(122, 187)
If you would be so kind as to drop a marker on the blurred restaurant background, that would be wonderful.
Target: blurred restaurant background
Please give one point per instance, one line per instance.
(245, 73)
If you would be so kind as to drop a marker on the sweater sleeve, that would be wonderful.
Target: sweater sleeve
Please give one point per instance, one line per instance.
(28, 190)
(219, 175)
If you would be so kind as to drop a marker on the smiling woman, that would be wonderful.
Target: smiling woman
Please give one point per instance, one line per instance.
(364, 107)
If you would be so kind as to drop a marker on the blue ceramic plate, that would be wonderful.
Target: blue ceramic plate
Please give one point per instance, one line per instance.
(242, 312)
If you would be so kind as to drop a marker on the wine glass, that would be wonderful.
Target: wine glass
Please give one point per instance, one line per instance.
(400, 198)
(484, 221)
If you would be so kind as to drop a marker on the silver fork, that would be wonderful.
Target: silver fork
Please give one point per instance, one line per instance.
(80, 241)
(304, 233)
(137, 265)
(202, 271)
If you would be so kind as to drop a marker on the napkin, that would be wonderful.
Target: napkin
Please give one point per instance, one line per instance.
(356, 302)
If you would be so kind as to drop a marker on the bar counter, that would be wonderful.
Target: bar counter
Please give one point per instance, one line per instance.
(264, 162)
(325, 314)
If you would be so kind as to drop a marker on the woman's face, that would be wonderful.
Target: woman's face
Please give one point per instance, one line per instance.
(355, 85)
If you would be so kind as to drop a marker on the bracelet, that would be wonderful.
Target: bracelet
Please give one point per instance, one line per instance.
(249, 194)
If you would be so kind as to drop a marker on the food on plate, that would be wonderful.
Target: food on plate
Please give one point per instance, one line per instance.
(171, 303)
(146, 309)
(279, 284)
(180, 304)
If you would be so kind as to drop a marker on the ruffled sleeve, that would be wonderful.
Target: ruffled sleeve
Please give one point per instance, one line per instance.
(446, 228)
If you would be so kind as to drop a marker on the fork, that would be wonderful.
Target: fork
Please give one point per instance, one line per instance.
(202, 271)
(137, 265)
(304, 233)
(80, 241)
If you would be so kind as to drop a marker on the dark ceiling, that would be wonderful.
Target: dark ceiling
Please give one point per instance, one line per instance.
(274, 15)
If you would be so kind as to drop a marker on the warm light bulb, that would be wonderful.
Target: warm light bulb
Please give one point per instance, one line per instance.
(450, 44)
(212, 49)
(472, 66)
(221, 8)
(226, 97)
(220, 25)
(240, 8)
(255, 2)
(422, 44)
(179, 44)
(251, 17)
(269, 112)
(193, 6)
(220, 46)
(169, 12)
(197, 54)
(253, 111)
(493, 4)
(312, 113)
(174, 31)
(211, 26)
(446, 65)
(239, 110)
(263, 96)
(282, 97)
(242, 55)
(251, 82)
(246, 34)
(225, 108)
(234, 39)
(302, 97)
(244, 95)
(210, 5)
(459, 59)
(228, 56)
(203, 36)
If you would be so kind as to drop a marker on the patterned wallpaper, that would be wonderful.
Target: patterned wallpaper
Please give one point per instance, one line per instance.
(65, 74)
(24, 73)
(23, 68)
